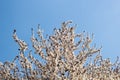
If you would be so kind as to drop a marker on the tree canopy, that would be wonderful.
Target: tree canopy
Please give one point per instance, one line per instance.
(66, 55)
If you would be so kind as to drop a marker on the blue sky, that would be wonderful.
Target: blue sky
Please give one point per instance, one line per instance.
(101, 17)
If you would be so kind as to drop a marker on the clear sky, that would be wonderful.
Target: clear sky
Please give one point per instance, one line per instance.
(101, 17)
